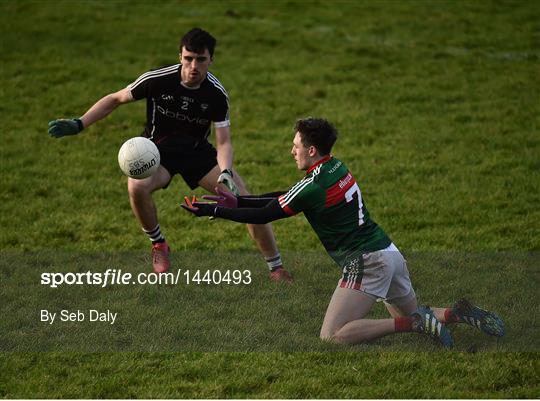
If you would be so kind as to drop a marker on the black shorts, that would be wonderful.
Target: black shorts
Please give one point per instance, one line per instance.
(191, 163)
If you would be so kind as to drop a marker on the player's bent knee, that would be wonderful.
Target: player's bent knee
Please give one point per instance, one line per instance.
(146, 186)
(325, 337)
(333, 338)
(137, 188)
(338, 339)
(133, 186)
(160, 179)
(327, 334)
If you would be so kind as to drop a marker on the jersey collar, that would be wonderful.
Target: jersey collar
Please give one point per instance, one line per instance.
(323, 160)
(190, 88)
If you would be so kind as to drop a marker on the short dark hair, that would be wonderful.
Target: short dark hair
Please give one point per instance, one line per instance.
(317, 132)
(197, 40)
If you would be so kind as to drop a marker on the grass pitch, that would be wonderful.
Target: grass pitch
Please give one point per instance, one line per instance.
(438, 108)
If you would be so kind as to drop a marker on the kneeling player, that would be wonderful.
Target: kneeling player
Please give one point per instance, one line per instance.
(373, 268)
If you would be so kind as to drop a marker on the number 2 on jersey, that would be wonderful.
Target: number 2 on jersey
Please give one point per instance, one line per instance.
(349, 197)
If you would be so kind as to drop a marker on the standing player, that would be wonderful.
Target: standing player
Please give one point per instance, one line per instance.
(373, 268)
(182, 102)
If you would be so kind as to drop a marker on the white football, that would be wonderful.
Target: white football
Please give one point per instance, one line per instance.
(138, 158)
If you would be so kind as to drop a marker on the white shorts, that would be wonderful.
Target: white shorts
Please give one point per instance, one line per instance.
(384, 275)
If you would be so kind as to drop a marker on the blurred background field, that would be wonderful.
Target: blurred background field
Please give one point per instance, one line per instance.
(438, 107)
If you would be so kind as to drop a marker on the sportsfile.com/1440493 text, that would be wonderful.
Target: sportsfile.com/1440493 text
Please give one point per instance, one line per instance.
(118, 277)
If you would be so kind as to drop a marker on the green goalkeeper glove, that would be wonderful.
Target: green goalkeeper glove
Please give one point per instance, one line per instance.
(226, 178)
(60, 128)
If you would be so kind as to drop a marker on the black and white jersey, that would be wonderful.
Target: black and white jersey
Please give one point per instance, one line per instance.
(176, 115)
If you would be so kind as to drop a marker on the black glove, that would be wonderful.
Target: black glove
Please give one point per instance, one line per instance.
(63, 127)
(200, 208)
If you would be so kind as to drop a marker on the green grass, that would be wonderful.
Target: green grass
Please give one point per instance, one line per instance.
(273, 375)
(438, 108)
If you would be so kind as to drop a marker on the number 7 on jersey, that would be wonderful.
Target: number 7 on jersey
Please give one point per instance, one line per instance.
(349, 197)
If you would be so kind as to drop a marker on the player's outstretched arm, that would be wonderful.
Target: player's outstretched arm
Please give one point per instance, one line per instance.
(258, 200)
(227, 199)
(262, 215)
(101, 109)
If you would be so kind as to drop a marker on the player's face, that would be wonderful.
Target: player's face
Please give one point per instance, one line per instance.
(194, 67)
(302, 155)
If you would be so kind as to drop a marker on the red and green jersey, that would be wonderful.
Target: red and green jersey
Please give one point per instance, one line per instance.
(332, 202)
